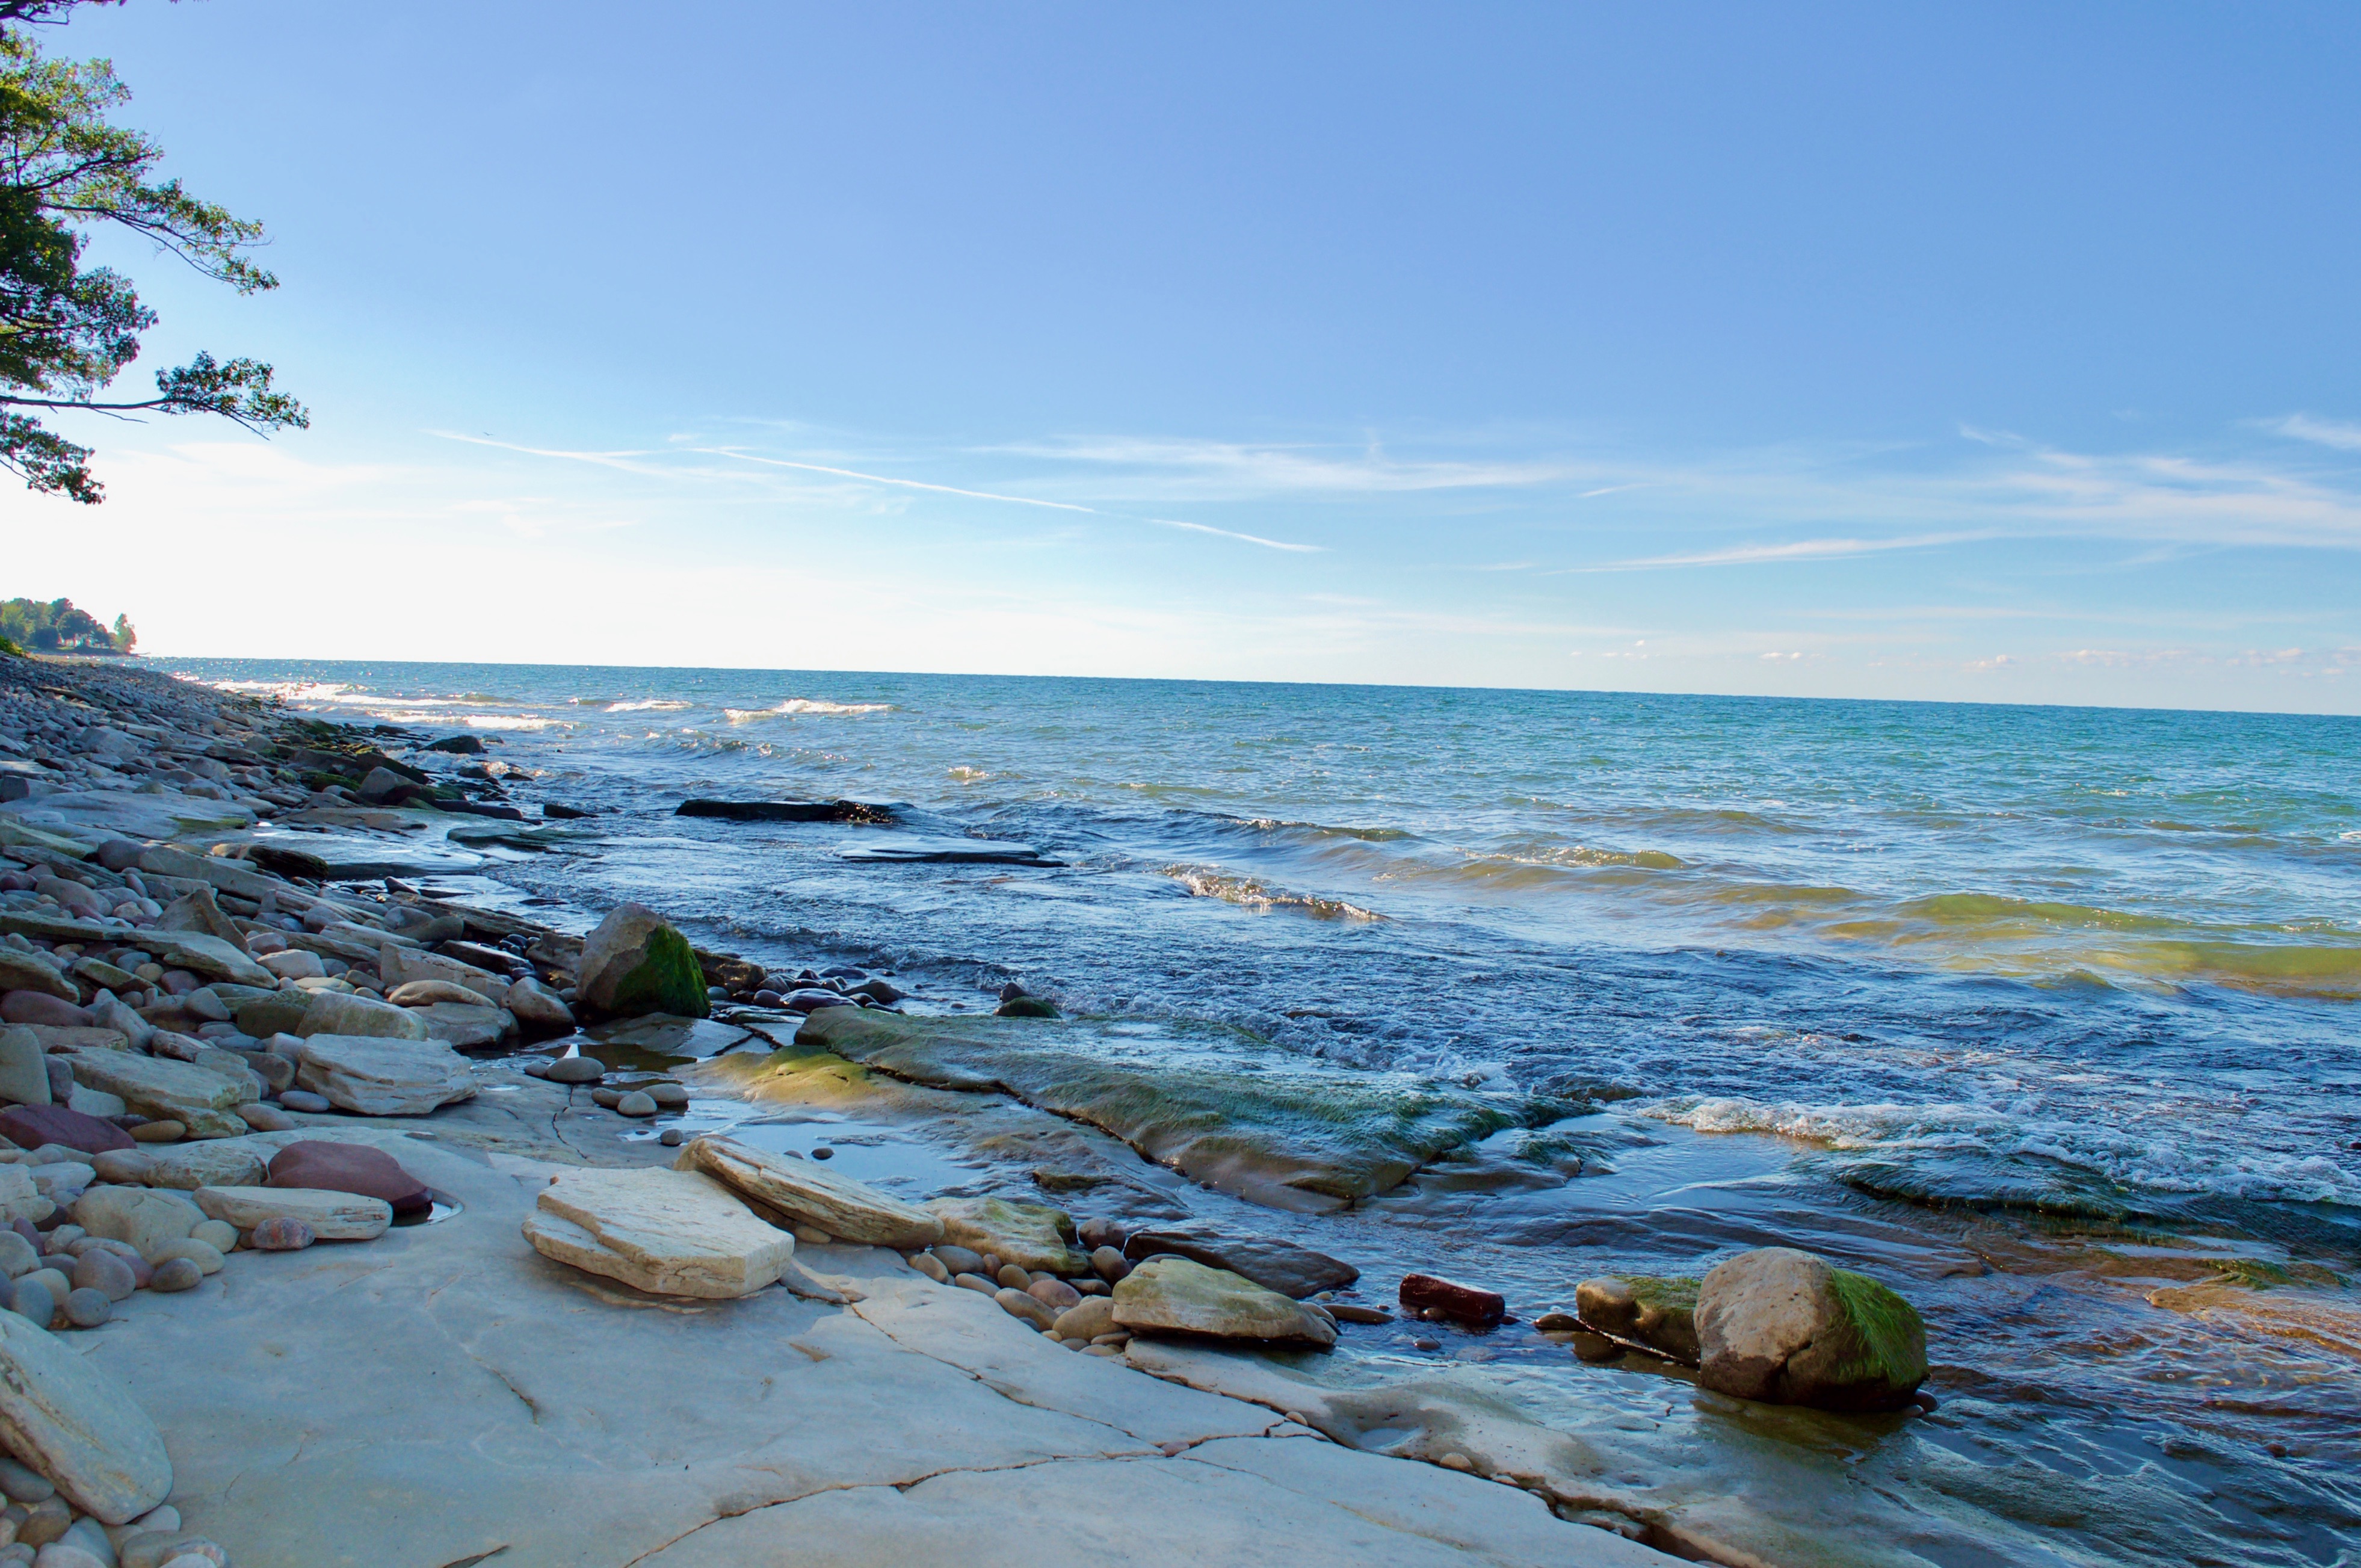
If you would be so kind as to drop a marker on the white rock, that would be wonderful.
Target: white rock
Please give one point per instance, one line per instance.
(673, 1233)
(76, 1424)
(380, 1077)
(142, 1218)
(333, 1216)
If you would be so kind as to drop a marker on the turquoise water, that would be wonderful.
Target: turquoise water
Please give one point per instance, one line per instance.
(2069, 983)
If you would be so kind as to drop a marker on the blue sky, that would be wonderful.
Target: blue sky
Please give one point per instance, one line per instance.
(1993, 352)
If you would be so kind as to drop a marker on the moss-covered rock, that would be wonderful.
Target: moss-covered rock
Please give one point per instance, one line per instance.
(1646, 1309)
(635, 963)
(1033, 1236)
(1788, 1328)
(1174, 1295)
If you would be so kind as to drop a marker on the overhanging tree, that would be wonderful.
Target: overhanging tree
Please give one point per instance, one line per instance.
(67, 330)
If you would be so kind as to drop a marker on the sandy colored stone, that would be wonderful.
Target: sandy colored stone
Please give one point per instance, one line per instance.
(378, 1077)
(187, 1167)
(1173, 1295)
(1788, 1328)
(333, 1216)
(77, 1424)
(1033, 1237)
(335, 1013)
(135, 1215)
(812, 1194)
(156, 1086)
(399, 966)
(673, 1233)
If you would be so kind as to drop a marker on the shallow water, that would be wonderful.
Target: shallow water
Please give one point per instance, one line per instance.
(2039, 1013)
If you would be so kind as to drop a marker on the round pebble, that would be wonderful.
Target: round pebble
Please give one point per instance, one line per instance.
(47, 1520)
(159, 1132)
(34, 1303)
(671, 1137)
(823, 1152)
(305, 1101)
(1456, 1462)
(1014, 1277)
(176, 1274)
(932, 1266)
(1426, 1344)
(86, 1307)
(1054, 1294)
(101, 1271)
(576, 1069)
(52, 1278)
(218, 1235)
(635, 1103)
(670, 1096)
(1108, 1263)
(281, 1234)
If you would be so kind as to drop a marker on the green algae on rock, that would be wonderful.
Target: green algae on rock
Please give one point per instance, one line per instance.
(635, 962)
(1660, 1313)
(1786, 1328)
(1177, 1295)
(1279, 1132)
(1033, 1236)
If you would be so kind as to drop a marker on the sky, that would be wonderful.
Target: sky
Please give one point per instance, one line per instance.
(1993, 352)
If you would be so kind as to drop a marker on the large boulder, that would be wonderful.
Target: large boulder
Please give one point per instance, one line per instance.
(1273, 1263)
(74, 1422)
(673, 1233)
(22, 971)
(635, 962)
(332, 1216)
(338, 1013)
(1788, 1328)
(349, 1168)
(812, 1194)
(1172, 1295)
(374, 1076)
(24, 1067)
(142, 1218)
(1033, 1236)
(1660, 1313)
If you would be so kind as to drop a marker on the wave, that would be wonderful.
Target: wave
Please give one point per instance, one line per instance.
(1203, 881)
(1322, 829)
(805, 707)
(651, 705)
(2025, 1160)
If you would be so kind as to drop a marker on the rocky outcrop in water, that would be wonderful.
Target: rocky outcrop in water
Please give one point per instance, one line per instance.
(1788, 1328)
(635, 963)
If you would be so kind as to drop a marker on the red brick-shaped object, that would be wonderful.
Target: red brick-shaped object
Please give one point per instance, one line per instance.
(1467, 1303)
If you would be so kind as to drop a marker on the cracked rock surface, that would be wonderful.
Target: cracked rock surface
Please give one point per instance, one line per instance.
(443, 1392)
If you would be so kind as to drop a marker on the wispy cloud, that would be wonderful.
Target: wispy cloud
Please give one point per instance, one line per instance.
(1796, 550)
(2343, 435)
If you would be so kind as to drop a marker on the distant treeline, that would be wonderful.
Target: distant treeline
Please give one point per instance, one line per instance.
(56, 625)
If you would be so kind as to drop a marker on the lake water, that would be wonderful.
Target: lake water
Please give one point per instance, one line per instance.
(2044, 1015)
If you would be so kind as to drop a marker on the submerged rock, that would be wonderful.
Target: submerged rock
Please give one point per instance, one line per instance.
(1033, 1236)
(1273, 1263)
(1172, 1295)
(1466, 1303)
(809, 1194)
(1660, 1313)
(1788, 1328)
(677, 1233)
(1289, 1135)
(634, 962)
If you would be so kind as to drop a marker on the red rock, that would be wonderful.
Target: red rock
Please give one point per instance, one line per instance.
(1467, 1303)
(40, 1007)
(281, 1234)
(30, 1126)
(349, 1168)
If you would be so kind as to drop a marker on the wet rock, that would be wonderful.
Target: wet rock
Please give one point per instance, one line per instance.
(1031, 1236)
(283, 1234)
(1462, 1303)
(1173, 1295)
(1345, 1312)
(1273, 1263)
(327, 1166)
(1109, 1265)
(1097, 1234)
(635, 1103)
(673, 1233)
(1026, 1007)
(635, 963)
(332, 1216)
(536, 1007)
(576, 1069)
(805, 1193)
(77, 1424)
(380, 1077)
(1786, 1328)
(1660, 1313)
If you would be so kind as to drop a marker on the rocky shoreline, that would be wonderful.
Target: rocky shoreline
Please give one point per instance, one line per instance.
(217, 1042)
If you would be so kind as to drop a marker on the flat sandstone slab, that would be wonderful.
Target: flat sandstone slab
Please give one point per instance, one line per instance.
(671, 1233)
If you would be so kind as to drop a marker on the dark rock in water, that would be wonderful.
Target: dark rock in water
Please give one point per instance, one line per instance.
(1273, 1263)
(917, 849)
(1026, 1007)
(843, 972)
(1012, 990)
(1465, 1303)
(1290, 1137)
(1660, 1313)
(1102, 1233)
(1786, 1328)
(810, 1000)
(560, 812)
(884, 992)
(788, 811)
(1344, 1312)
(30, 1126)
(483, 808)
(466, 745)
(499, 960)
(349, 1168)
(281, 861)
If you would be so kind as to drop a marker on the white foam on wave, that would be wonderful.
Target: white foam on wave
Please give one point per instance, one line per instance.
(1205, 881)
(2158, 1157)
(652, 705)
(805, 707)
